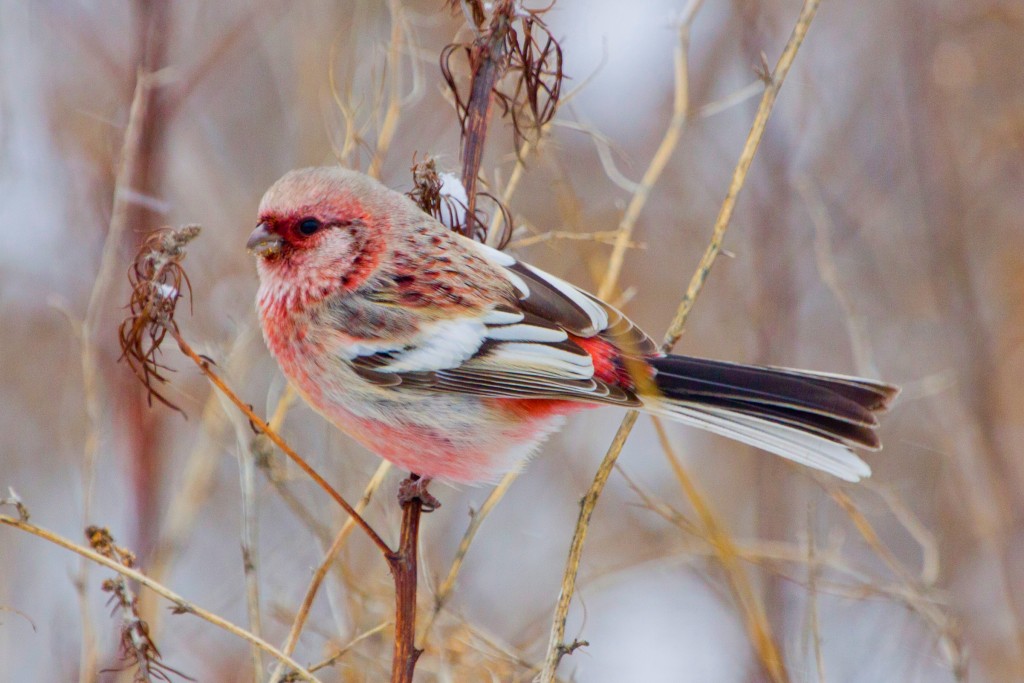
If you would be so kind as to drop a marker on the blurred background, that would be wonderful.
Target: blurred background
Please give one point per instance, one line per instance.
(879, 233)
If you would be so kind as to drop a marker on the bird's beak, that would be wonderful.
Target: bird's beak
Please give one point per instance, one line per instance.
(264, 243)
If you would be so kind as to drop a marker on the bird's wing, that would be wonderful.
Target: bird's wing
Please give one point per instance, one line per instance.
(554, 300)
(503, 353)
(522, 347)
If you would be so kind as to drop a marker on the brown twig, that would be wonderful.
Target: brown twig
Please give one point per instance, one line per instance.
(206, 368)
(680, 111)
(556, 644)
(404, 569)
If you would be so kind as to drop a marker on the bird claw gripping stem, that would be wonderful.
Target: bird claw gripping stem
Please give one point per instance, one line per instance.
(415, 488)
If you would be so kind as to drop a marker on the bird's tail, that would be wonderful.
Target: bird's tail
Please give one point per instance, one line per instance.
(809, 417)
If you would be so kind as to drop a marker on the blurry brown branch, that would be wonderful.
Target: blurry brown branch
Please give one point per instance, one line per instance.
(556, 645)
(181, 605)
(137, 129)
(535, 59)
(917, 595)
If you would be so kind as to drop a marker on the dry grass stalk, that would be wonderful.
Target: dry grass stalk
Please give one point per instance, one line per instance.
(181, 605)
(556, 646)
(755, 619)
(680, 111)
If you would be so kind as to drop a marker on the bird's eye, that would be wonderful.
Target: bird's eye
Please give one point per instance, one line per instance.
(308, 226)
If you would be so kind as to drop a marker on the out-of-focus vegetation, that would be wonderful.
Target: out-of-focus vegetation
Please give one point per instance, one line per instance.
(879, 233)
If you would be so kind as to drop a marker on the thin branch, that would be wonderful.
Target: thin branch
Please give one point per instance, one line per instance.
(813, 571)
(181, 605)
(556, 645)
(330, 661)
(739, 176)
(138, 112)
(389, 124)
(404, 569)
(206, 368)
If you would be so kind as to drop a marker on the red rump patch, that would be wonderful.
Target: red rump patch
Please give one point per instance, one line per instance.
(608, 364)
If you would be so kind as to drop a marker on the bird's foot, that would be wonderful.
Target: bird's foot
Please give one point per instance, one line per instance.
(415, 488)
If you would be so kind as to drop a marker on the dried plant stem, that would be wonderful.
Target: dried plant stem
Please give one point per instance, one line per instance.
(739, 176)
(205, 367)
(556, 645)
(944, 625)
(726, 552)
(489, 63)
(813, 570)
(856, 328)
(250, 542)
(137, 114)
(181, 605)
(342, 651)
(680, 108)
(404, 569)
(321, 571)
(389, 124)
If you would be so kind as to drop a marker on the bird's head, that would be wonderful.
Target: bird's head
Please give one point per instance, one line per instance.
(323, 228)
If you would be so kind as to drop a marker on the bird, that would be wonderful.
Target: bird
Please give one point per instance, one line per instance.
(454, 360)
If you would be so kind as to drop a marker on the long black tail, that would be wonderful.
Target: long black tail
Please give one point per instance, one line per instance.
(812, 418)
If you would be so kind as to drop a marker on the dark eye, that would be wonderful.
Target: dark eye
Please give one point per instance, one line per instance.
(307, 226)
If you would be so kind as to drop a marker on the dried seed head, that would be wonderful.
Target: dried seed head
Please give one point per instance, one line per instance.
(156, 278)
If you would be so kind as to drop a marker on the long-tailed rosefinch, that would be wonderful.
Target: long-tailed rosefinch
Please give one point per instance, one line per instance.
(453, 360)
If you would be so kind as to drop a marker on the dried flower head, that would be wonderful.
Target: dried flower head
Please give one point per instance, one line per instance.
(529, 53)
(443, 196)
(138, 651)
(157, 278)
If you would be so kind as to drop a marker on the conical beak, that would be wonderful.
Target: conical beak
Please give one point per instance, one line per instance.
(264, 243)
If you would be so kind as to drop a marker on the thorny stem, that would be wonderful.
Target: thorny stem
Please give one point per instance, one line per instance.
(556, 643)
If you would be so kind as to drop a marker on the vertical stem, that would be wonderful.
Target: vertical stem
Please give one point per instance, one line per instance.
(404, 569)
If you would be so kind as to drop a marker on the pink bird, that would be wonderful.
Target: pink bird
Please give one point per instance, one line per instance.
(454, 360)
